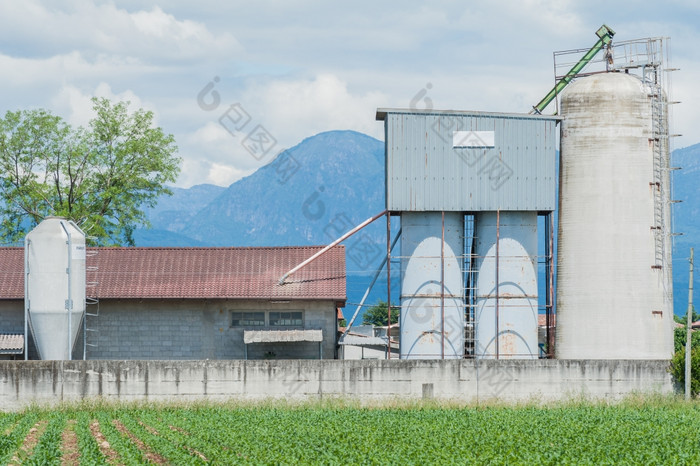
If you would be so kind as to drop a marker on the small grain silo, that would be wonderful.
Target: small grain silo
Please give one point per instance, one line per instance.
(54, 296)
(613, 276)
(468, 187)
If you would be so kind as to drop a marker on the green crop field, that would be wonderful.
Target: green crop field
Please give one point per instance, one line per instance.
(632, 432)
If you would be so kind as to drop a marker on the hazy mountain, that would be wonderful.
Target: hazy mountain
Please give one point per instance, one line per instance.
(296, 198)
(173, 213)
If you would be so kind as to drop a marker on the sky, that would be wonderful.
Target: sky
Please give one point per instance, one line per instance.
(237, 82)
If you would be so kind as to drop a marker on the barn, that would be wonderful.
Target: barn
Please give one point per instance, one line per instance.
(194, 303)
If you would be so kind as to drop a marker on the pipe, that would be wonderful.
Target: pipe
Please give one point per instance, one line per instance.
(334, 243)
(688, 330)
(550, 282)
(374, 280)
(26, 298)
(69, 302)
(498, 240)
(442, 287)
(388, 283)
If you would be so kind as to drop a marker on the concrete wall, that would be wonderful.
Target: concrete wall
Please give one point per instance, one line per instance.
(51, 382)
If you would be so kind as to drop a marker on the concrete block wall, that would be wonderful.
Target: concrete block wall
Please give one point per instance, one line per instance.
(469, 381)
(198, 329)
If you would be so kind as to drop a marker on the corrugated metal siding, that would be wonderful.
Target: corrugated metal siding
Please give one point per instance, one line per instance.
(425, 173)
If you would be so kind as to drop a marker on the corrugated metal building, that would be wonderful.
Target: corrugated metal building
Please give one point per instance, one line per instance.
(465, 161)
(468, 187)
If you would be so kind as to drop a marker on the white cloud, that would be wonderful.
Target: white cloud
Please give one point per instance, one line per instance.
(297, 108)
(213, 155)
(223, 175)
(38, 73)
(310, 66)
(289, 109)
(76, 107)
(103, 28)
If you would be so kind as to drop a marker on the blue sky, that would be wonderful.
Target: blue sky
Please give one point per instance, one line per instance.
(299, 68)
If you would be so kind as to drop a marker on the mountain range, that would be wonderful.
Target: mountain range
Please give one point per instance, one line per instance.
(314, 192)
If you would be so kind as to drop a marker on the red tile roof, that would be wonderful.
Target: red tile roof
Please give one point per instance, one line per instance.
(12, 273)
(236, 273)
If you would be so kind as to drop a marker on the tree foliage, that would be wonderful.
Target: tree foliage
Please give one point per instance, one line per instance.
(102, 176)
(678, 368)
(377, 315)
(678, 360)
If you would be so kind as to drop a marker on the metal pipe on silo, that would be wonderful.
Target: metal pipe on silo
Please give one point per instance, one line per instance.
(388, 282)
(442, 288)
(498, 281)
(550, 285)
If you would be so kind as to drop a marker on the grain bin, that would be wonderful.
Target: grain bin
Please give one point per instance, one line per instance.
(55, 285)
(432, 304)
(506, 286)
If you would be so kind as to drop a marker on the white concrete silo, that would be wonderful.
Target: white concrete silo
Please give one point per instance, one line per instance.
(611, 297)
(55, 286)
(432, 315)
(506, 285)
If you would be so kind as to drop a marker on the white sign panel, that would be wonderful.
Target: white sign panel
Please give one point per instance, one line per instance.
(473, 139)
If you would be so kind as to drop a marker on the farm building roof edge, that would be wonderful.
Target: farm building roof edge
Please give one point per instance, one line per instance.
(199, 273)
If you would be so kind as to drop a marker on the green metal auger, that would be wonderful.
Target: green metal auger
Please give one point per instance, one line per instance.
(605, 35)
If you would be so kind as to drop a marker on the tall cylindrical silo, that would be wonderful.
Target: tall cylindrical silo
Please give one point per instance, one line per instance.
(432, 316)
(506, 285)
(55, 285)
(610, 286)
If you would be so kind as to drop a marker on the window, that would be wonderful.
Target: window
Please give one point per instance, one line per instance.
(247, 319)
(287, 319)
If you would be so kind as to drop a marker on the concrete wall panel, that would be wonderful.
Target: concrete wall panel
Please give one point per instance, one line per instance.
(51, 382)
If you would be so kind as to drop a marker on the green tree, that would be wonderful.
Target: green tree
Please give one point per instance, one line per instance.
(678, 368)
(679, 333)
(678, 360)
(102, 176)
(378, 315)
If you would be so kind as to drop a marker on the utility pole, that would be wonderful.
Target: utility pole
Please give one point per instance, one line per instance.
(689, 329)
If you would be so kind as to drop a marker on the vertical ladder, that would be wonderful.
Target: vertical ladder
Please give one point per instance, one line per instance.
(469, 286)
(659, 140)
(92, 308)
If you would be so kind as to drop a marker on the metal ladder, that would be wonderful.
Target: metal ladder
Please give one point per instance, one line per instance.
(92, 309)
(659, 140)
(469, 276)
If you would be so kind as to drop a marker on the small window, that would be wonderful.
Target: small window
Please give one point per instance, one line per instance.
(286, 319)
(247, 319)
